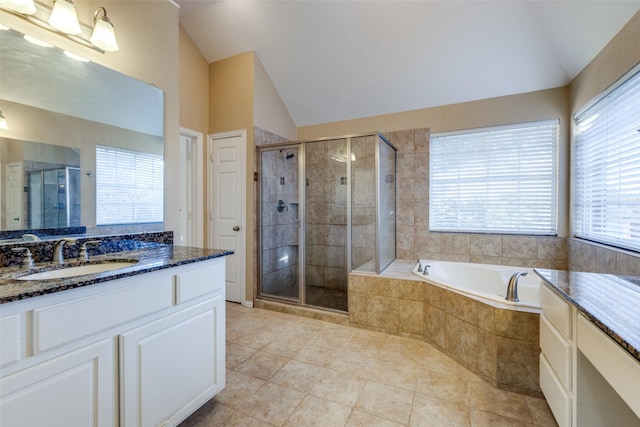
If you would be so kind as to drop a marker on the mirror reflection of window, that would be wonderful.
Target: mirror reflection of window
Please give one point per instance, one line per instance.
(129, 186)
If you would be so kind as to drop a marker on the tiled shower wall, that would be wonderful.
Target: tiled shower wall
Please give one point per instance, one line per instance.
(260, 137)
(415, 241)
(279, 186)
(326, 214)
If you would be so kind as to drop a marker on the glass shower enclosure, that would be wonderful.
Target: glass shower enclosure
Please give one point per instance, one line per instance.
(327, 207)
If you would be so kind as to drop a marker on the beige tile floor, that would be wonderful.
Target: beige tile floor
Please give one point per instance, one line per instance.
(285, 370)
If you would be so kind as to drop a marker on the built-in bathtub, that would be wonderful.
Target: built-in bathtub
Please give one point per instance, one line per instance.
(494, 338)
(485, 282)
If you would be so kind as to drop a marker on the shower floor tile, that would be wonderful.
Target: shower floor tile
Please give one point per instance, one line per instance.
(331, 376)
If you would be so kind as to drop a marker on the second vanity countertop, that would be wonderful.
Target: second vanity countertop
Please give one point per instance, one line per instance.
(150, 259)
(611, 302)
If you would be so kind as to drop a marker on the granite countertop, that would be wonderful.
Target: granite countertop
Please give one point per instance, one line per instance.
(611, 302)
(148, 259)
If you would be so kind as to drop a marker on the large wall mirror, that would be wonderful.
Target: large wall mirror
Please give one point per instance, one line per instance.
(75, 128)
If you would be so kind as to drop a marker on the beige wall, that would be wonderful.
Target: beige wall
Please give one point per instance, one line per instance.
(540, 105)
(231, 92)
(619, 56)
(269, 111)
(194, 86)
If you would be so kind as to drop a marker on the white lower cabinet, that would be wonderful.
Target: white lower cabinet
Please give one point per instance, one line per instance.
(170, 367)
(73, 389)
(587, 379)
(129, 352)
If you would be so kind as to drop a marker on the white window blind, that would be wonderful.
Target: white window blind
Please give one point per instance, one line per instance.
(129, 186)
(496, 180)
(606, 168)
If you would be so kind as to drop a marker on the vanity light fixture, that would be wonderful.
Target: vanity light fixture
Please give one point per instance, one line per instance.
(103, 35)
(3, 122)
(26, 7)
(64, 18)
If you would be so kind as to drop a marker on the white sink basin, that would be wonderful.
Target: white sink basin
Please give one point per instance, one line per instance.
(80, 270)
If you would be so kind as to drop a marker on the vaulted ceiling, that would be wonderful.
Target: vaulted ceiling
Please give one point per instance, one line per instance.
(339, 60)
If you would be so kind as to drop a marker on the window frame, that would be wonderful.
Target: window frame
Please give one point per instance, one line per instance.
(536, 227)
(135, 194)
(577, 225)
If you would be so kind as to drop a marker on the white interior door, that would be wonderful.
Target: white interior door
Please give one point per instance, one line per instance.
(227, 206)
(190, 232)
(14, 196)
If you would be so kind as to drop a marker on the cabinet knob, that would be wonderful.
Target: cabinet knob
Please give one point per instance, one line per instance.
(236, 228)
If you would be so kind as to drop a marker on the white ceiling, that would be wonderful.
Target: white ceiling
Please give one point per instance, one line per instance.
(339, 60)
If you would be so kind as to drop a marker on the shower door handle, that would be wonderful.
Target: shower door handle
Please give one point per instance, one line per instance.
(236, 228)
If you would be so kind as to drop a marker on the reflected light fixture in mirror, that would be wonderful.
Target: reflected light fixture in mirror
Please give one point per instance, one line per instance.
(3, 122)
(103, 35)
(21, 6)
(64, 18)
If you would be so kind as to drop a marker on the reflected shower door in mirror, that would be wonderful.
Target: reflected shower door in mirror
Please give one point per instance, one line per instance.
(280, 223)
(64, 106)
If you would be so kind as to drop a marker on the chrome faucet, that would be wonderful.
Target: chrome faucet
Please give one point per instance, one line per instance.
(58, 253)
(512, 287)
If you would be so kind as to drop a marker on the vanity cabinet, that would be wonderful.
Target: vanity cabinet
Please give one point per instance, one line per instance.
(145, 350)
(557, 347)
(586, 377)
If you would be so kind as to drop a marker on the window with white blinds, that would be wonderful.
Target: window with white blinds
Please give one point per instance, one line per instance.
(606, 167)
(129, 186)
(495, 180)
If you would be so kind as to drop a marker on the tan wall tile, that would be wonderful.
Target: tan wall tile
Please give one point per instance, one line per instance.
(486, 245)
(456, 244)
(462, 307)
(461, 341)
(520, 247)
(410, 289)
(421, 140)
(517, 324)
(518, 363)
(486, 318)
(358, 283)
(487, 354)
(411, 317)
(358, 308)
(382, 313)
(436, 296)
(434, 326)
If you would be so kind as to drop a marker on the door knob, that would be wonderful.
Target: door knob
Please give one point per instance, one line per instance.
(236, 228)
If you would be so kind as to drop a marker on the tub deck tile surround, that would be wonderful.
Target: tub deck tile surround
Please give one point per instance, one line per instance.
(500, 345)
(335, 375)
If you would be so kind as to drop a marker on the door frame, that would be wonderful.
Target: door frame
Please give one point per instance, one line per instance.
(198, 191)
(212, 199)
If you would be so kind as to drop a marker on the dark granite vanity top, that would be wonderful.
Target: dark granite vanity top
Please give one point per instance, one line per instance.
(611, 302)
(155, 257)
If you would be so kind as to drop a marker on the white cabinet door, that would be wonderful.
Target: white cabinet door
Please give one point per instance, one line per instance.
(172, 366)
(74, 389)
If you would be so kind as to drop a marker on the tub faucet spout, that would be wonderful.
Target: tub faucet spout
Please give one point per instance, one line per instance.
(512, 287)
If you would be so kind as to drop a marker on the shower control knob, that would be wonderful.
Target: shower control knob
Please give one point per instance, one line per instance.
(236, 228)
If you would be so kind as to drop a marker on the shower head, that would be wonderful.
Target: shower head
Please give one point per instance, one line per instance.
(288, 155)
